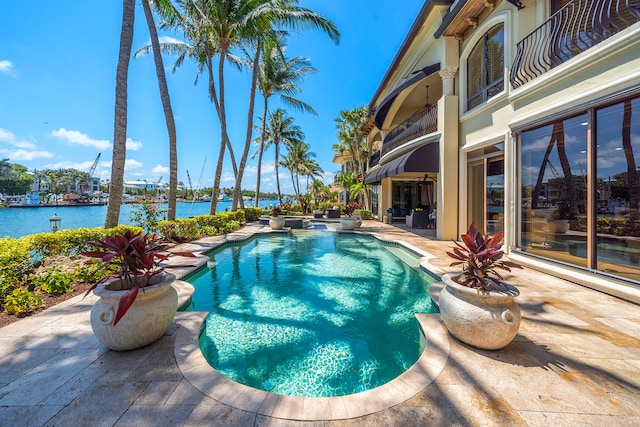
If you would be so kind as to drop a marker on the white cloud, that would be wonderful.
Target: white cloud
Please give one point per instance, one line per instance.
(7, 136)
(133, 145)
(160, 169)
(75, 137)
(131, 165)
(228, 177)
(167, 39)
(6, 66)
(67, 164)
(16, 155)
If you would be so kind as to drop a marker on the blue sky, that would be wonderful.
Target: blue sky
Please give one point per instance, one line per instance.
(57, 89)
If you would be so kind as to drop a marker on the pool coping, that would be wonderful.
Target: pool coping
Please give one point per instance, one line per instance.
(197, 370)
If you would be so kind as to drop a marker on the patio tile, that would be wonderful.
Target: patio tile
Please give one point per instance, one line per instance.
(20, 361)
(101, 405)
(27, 415)
(564, 419)
(186, 394)
(219, 415)
(157, 393)
(155, 415)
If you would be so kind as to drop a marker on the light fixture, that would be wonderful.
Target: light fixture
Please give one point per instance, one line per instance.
(54, 222)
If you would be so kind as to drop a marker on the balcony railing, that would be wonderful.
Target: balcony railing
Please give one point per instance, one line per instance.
(421, 123)
(375, 159)
(576, 27)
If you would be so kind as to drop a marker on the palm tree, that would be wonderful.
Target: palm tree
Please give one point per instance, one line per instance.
(281, 128)
(632, 174)
(261, 26)
(120, 119)
(279, 75)
(167, 10)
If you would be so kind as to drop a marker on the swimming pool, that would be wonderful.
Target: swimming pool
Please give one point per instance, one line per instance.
(314, 314)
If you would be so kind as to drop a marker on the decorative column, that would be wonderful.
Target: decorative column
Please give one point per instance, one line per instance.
(448, 75)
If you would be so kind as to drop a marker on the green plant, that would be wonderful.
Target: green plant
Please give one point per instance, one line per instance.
(364, 213)
(275, 211)
(147, 215)
(252, 214)
(21, 301)
(53, 281)
(137, 259)
(88, 274)
(480, 257)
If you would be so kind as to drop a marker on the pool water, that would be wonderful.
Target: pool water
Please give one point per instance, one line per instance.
(314, 314)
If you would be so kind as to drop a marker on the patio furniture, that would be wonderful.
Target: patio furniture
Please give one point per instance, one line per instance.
(417, 219)
(333, 213)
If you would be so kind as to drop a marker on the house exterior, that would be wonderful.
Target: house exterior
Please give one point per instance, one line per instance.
(520, 116)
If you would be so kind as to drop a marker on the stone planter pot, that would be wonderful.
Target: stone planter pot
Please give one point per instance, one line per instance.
(276, 223)
(147, 319)
(347, 223)
(488, 320)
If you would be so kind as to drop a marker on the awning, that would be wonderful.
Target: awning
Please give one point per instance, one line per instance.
(411, 79)
(423, 159)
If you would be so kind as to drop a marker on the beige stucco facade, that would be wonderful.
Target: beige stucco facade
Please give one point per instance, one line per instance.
(477, 139)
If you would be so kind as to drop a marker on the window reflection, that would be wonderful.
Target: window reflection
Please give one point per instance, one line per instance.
(618, 189)
(554, 190)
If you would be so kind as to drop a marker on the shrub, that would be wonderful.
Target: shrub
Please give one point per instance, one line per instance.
(53, 281)
(89, 273)
(180, 230)
(21, 301)
(147, 215)
(252, 214)
(15, 261)
(364, 213)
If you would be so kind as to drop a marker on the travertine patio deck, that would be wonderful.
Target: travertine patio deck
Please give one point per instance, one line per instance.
(575, 361)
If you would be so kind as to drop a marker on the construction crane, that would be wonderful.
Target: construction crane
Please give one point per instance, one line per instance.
(94, 165)
(158, 189)
(190, 185)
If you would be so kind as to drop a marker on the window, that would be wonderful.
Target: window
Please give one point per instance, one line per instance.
(485, 68)
(567, 217)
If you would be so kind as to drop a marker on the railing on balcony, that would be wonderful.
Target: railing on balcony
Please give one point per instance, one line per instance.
(575, 28)
(421, 123)
(375, 159)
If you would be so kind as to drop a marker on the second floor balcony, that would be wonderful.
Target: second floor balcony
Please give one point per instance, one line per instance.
(421, 123)
(576, 27)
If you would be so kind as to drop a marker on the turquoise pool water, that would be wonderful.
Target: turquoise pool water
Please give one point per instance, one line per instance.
(314, 314)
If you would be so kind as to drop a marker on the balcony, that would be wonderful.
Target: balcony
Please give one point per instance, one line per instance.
(375, 159)
(421, 123)
(578, 26)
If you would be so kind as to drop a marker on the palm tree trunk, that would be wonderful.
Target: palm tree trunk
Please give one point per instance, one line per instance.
(237, 193)
(277, 143)
(224, 141)
(632, 174)
(120, 116)
(261, 150)
(536, 190)
(168, 111)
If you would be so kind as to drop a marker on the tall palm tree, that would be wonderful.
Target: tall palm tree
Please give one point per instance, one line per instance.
(279, 75)
(261, 23)
(166, 9)
(352, 140)
(632, 174)
(281, 129)
(120, 119)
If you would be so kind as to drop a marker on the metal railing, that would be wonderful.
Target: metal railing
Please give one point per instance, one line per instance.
(375, 159)
(578, 26)
(421, 123)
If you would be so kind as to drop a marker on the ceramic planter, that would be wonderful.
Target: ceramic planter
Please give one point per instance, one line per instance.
(558, 226)
(488, 320)
(347, 223)
(276, 223)
(147, 319)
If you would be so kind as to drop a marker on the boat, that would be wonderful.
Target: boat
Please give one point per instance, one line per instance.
(223, 198)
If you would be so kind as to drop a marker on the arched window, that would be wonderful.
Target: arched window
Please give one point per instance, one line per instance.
(485, 67)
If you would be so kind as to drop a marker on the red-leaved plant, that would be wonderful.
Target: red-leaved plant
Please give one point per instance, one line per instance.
(480, 257)
(135, 259)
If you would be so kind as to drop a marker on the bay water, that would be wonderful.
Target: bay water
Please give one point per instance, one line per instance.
(17, 222)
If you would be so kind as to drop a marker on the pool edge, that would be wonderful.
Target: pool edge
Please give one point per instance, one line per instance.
(197, 371)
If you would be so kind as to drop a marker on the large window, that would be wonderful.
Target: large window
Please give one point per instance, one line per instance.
(485, 67)
(580, 190)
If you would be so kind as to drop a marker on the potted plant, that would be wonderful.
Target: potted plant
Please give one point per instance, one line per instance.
(559, 219)
(276, 222)
(348, 222)
(137, 302)
(476, 305)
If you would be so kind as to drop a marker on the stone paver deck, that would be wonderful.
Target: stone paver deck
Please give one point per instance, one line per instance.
(575, 361)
